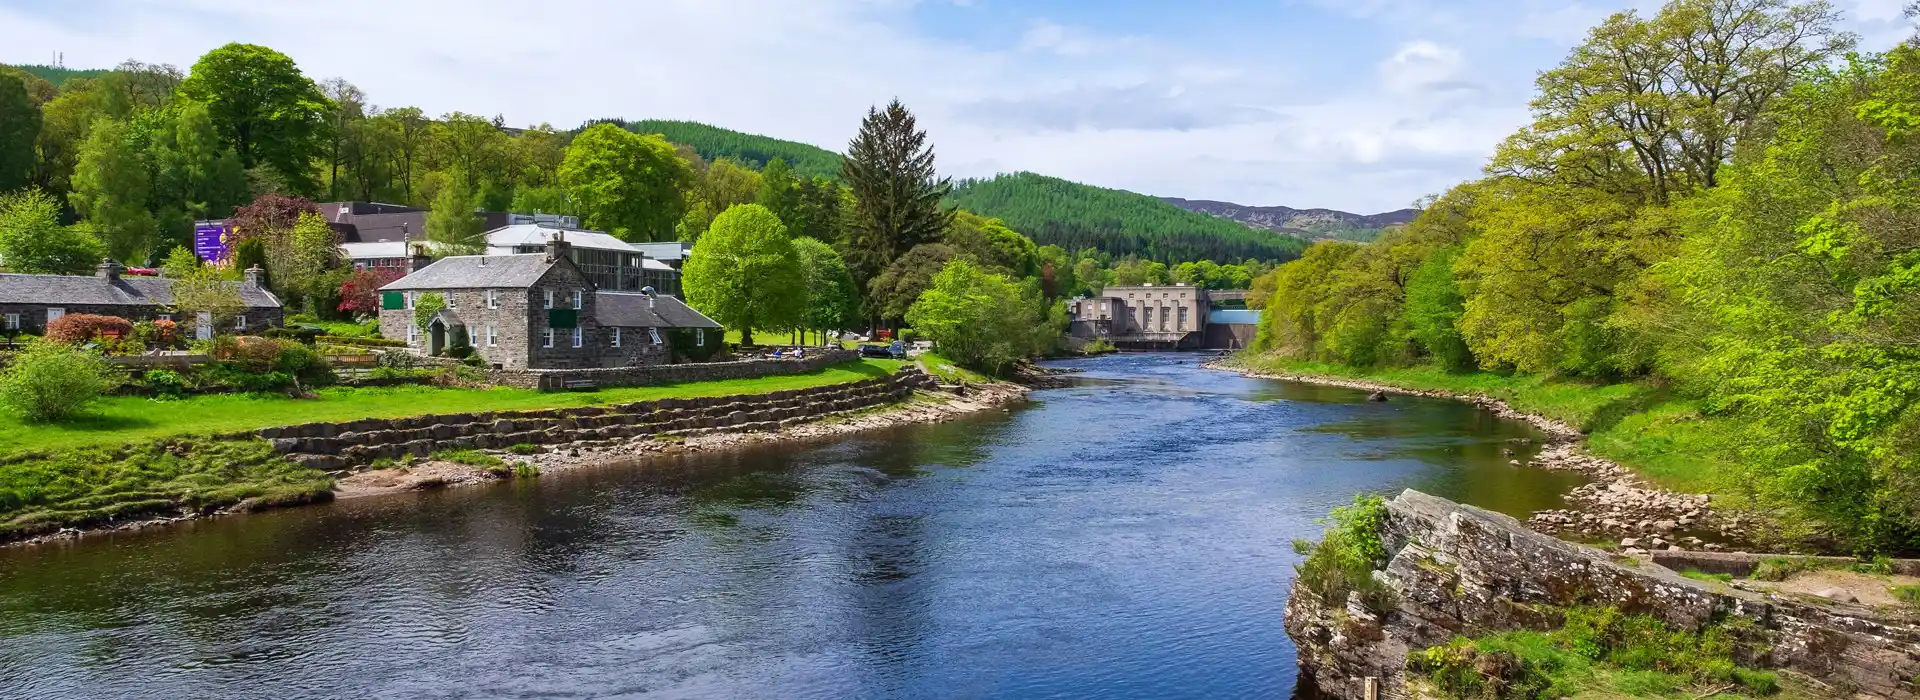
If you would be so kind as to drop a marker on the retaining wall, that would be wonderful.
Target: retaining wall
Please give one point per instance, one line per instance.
(557, 379)
(334, 446)
(1459, 570)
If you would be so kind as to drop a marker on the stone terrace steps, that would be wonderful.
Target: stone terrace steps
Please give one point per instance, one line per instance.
(334, 446)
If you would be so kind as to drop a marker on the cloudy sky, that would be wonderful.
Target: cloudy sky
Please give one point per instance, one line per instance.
(1361, 105)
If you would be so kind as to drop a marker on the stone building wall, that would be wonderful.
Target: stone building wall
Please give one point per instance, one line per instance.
(334, 446)
(553, 380)
(1460, 570)
(34, 316)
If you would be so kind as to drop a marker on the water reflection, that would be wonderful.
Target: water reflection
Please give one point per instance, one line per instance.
(1125, 537)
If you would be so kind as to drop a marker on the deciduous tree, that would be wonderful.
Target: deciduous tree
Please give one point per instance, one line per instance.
(746, 274)
(111, 187)
(261, 103)
(33, 241)
(626, 183)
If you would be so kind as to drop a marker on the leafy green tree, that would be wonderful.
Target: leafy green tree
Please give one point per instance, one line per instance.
(833, 301)
(262, 105)
(19, 126)
(196, 175)
(32, 240)
(889, 166)
(717, 187)
(1434, 305)
(452, 226)
(990, 243)
(626, 183)
(978, 318)
(111, 186)
(894, 290)
(746, 274)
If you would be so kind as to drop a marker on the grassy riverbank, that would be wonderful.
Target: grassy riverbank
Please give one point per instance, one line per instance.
(135, 457)
(1666, 439)
(124, 419)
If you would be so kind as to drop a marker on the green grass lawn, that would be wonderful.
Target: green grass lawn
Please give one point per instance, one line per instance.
(1661, 437)
(343, 329)
(124, 419)
(948, 370)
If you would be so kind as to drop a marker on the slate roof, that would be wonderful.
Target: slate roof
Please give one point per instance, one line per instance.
(477, 272)
(93, 290)
(538, 235)
(630, 309)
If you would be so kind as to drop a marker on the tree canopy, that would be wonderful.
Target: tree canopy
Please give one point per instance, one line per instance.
(262, 104)
(625, 183)
(746, 274)
(1076, 216)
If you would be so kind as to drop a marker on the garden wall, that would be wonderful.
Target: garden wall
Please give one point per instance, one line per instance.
(333, 446)
(558, 379)
(1459, 570)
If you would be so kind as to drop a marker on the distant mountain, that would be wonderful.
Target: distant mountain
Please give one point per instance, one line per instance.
(713, 142)
(1309, 223)
(1076, 216)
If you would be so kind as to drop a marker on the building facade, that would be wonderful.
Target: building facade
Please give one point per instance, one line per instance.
(536, 311)
(29, 302)
(1171, 317)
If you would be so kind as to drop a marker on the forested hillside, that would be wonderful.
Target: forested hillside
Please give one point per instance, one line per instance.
(1076, 216)
(57, 76)
(1752, 264)
(713, 143)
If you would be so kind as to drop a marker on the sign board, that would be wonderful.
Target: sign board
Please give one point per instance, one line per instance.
(210, 240)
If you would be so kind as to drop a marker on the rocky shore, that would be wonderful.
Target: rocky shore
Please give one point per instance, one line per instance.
(1616, 508)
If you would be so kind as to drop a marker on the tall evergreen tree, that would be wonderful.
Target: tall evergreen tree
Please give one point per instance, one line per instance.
(19, 125)
(889, 167)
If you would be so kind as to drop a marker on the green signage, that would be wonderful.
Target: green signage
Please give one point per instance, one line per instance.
(563, 318)
(393, 300)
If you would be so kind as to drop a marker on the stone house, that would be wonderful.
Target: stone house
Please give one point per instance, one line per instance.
(537, 311)
(29, 302)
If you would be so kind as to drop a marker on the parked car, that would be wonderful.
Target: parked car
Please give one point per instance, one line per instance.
(895, 351)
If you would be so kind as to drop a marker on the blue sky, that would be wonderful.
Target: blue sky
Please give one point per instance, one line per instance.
(1363, 105)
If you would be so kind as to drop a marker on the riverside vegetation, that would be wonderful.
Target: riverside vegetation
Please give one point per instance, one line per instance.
(1706, 258)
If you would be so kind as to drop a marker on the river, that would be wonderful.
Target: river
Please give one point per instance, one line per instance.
(1128, 537)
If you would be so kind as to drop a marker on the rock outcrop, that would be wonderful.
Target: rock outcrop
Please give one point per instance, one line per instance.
(1460, 570)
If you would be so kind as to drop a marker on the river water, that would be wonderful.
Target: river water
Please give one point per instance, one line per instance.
(1128, 537)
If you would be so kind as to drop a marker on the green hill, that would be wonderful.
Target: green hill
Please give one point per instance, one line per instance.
(61, 75)
(1075, 216)
(713, 142)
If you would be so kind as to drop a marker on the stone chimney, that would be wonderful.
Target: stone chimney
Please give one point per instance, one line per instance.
(251, 277)
(557, 246)
(109, 269)
(417, 253)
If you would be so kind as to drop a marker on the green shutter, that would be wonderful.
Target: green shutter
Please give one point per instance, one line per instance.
(563, 318)
(393, 300)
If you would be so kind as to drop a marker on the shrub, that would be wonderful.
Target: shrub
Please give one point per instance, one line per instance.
(301, 334)
(161, 334)
(523, 449)
(74, 329)
(1344, 560)
(1097, 346)
(525, 470)
(425, 307)
(165, 383)
(685, 344)
(1781, 568)
(50, 381)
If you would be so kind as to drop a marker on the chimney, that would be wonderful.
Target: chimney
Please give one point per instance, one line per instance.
(418, 253)
(557, 246)
(253, 276)
(648, 290)
(109, 269)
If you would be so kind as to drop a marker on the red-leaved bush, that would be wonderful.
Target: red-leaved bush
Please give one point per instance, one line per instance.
(74, 329)
(360, 294)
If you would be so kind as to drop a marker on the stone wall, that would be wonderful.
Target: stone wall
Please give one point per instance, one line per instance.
(554, 380)
(1460, 570)
(334, 446)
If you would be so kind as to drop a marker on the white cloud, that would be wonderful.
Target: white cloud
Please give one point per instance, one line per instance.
(1417, 95)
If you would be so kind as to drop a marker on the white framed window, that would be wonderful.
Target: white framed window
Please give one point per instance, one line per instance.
(473, 336)
(54, 314)
(409, 296)
(547, 337)
(700, 337)
(450, 297)
(13, 322)
(493, 337)
(578, 299)
(549, 298)
(493, 298)
(203, 326)
(616, 336)
(413, 332)
(579, 336)
(240, 322)
(654, 333)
